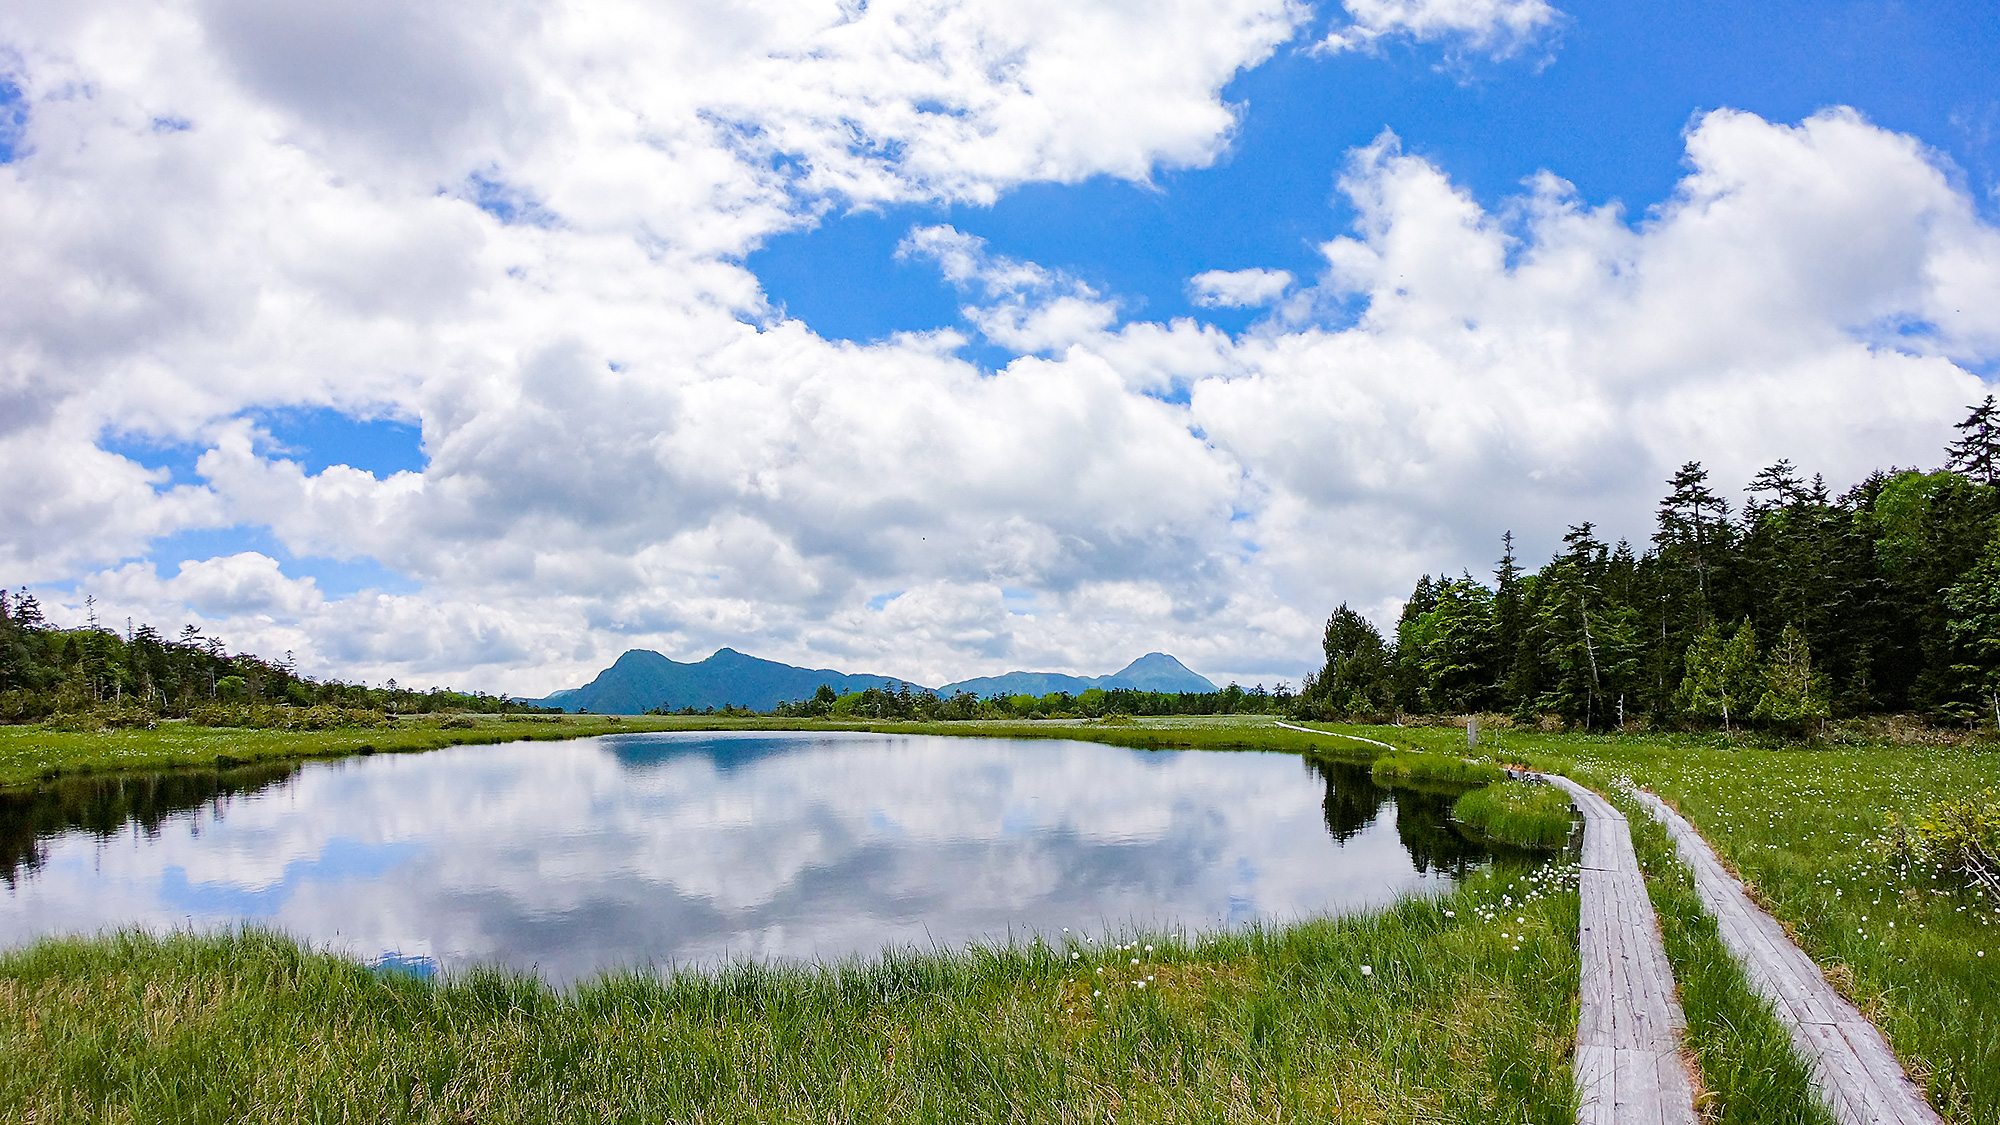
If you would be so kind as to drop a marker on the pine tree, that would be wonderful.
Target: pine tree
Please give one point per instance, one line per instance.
(1406, 679)
(1973, 603)
(1355, 677)
(1780, 481)
(1794, 696)
(1691, 520)
(1704, 694)
(1977, 454)
(1510, 621)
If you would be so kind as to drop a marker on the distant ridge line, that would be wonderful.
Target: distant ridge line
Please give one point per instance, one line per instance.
(642, 680)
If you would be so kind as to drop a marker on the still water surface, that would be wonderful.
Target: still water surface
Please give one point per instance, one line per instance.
(695, 848)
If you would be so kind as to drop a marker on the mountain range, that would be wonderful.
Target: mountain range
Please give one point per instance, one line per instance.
(1155, 671)
(641, 680)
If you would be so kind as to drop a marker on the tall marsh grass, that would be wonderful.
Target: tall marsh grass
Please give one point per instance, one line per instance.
(1424, 1012)
(1406, 765)
(1526, 814)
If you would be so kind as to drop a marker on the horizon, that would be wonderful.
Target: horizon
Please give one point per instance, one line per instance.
(968, 337)
(938, 687)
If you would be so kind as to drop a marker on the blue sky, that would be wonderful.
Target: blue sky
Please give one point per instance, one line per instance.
(1602, 102)
(938, 338)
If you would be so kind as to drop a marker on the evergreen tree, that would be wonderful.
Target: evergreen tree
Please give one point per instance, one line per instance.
(1974, 624)
(1779, 482)
(1455, 648)
(1704, 694)
(1691, 521)
(1510, 623)
(1976, 454)
(1406, 678)
(1573, 683)
(1794, 696)
(1355, 678)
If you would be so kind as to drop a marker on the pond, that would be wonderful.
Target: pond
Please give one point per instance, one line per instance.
(696, 848)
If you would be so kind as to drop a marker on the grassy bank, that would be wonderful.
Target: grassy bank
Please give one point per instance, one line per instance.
(1805, 826)
(1428, 1012)
(31, 754)
(1526, 814)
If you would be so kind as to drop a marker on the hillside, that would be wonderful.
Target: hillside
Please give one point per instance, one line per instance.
(1155, 671)
(641, 680)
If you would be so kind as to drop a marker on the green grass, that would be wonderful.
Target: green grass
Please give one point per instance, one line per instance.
(1526, 814)
(30, 754)
(1806, 827)
(1403, 765)
(1455, 1023)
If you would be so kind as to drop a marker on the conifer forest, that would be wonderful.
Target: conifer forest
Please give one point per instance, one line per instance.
(1777, 611)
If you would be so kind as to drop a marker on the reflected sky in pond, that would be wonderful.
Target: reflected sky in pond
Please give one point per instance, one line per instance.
(570, 858)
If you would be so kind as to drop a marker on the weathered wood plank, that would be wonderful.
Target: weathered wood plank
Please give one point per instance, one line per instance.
(1594, 1077)
(1628, 1065)
(1855, 1072)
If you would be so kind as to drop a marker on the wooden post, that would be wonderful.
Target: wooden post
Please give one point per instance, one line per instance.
(1472, 732)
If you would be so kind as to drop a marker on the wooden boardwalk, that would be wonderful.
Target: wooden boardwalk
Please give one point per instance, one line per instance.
(1855, 1072)
(1628, 1065)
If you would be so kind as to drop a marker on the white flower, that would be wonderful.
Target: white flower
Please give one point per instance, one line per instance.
(1367, 970)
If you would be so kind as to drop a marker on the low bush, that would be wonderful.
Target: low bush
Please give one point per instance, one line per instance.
(18, 706)
(254, 717)
(1961, 835)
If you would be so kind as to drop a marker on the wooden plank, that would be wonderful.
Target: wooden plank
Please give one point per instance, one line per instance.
(1676, 1087)
(1595, 1096)
(1853, 1068)
(1638, 1086)
(1628, 1066)
(1879, 1063)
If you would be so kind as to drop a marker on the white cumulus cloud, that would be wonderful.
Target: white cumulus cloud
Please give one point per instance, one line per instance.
(1237, 289)
(533, 244)
(1496, 27)
(1029, 309)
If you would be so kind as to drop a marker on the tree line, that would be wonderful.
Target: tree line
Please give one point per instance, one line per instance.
(1091, 703)
(1795, 606)
(144, 675)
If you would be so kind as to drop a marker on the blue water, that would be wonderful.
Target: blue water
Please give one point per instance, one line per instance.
(697, 848)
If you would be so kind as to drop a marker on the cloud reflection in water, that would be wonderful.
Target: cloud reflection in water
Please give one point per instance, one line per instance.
(694, 848)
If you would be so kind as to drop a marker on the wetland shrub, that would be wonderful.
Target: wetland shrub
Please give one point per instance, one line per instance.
(1960, 835)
